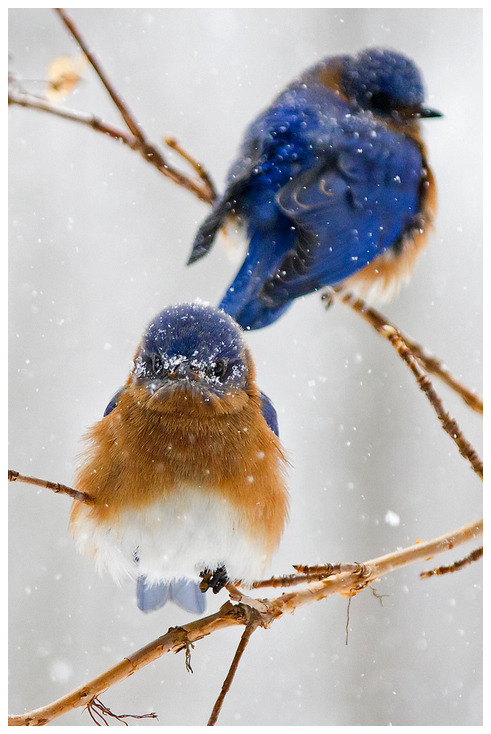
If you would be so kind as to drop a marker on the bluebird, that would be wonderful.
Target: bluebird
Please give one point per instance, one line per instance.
(331, 186)
(185, 467)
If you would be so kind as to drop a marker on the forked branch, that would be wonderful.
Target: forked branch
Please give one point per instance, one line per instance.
(179, 638)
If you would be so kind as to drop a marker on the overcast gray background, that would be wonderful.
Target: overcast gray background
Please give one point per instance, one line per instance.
(98, 245)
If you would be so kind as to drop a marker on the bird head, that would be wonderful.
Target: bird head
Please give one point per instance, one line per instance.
(386, 83)
(191, 351)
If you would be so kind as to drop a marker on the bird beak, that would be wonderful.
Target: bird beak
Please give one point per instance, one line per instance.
(184, 372)
(425, 112)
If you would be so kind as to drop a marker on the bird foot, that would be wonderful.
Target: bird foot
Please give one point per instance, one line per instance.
(215, 580)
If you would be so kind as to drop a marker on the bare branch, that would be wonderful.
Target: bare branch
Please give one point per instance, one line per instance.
(147, 149)
(130, 121)
(14, 476)
(203, 188)
(206, 192)
(393, 335)
(36, 103)
(97, 710)
(195, 165)
(449, 425)
(179, 638)
(307, 574)
(474, 556)
(251, 626)
(432, 364)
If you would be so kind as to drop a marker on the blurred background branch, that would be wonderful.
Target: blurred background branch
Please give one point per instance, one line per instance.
(413, 354)
(201, 186)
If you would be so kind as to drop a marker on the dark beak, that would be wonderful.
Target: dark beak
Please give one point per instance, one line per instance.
(425, 112)
(183, 372)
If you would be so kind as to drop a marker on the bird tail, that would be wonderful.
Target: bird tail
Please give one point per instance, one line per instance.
(257, 314)
(243, 300)
(208, 230)
(183, 592)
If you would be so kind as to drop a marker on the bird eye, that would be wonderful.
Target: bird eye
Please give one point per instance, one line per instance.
(381, 102)
(219, 368)
(157, 366)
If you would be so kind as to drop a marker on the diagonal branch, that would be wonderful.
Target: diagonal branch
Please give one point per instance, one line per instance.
(449, 425)
(475, 555)
(202, 188)
(23, 99)
(147, 150)
(251, 626)
(433, 365)
(179, 638)
(14, 476)
(130, 121)
(195, 165)
(205, 191)
(393, 335)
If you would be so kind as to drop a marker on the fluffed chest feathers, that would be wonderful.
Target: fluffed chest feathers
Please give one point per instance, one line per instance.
(190, 493)
(137, 457)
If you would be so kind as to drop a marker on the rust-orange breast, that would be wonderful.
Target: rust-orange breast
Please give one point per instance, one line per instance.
(137, 456)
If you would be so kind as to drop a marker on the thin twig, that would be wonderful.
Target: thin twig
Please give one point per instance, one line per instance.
(137, 141)
(436, 367)
(246, 635)
(449, 425)
(393, 335)
(97, 709)
(431, 364)
(147, 149)
(195, 165)
(23, 99)
(471, 558)
(306, 574)
(14, 476)
(347, 617)
(130, 121)
(177, 638)
(208, 194)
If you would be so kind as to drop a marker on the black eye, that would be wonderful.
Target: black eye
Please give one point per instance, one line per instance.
(157, 366)
(381, 102)
(219, 368)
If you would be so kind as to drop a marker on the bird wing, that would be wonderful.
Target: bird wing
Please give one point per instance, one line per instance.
(114, 401)
(347, 210)
(266, 140)
(269, 413)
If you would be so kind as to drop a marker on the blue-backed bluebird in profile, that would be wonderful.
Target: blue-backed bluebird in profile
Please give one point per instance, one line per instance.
(331, 185)
(185, 467)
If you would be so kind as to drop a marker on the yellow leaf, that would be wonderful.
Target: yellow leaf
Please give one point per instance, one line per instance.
(64, 73)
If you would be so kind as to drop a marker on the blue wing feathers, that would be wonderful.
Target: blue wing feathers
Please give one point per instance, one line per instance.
(114, 401)
(323, 191)
(269, 413)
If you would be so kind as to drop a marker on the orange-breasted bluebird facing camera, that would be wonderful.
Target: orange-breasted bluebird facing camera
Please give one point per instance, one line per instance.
(185, 467)
(331, 185)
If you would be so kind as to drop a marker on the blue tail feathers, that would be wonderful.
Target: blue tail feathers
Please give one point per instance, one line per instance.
(243, 299)
(183, 592)
(257, 314)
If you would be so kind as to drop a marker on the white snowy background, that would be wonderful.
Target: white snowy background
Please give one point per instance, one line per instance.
(98, 245)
